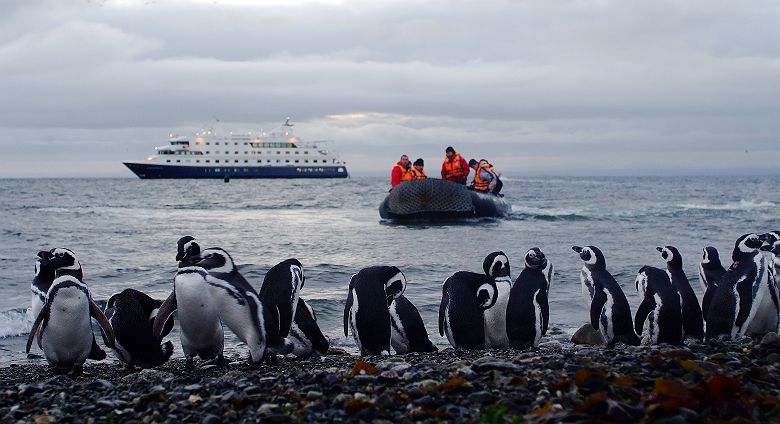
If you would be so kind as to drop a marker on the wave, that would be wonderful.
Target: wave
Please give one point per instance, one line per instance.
(551, 214)
(742, 205)
(15, 322)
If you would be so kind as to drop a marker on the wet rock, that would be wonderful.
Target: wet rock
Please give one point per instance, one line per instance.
(769, 339)
(482, 397)
(489, 363)
(587, 335)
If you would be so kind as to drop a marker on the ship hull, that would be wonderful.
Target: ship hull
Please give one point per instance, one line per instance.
(155, 171)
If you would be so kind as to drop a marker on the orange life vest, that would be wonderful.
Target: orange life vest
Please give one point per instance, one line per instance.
(479, 183)
(407, 175)
(418, 175)
(454, 169)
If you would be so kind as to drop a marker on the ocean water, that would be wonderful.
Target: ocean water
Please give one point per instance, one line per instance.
(125, 231)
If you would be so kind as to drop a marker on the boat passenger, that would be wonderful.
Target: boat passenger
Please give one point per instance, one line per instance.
(454, 168)
(401, 171)
(419, 173)
(485, 177)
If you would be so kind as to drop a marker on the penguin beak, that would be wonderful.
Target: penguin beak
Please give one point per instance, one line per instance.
(577, 249)
(659, 249)
(180, 256)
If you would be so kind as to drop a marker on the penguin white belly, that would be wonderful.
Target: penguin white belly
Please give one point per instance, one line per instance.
(652, 320)
(67, 338)
(398, 337)
(302, 346)
(37, 302)
(353, 321)
(586, 284)
(539, 324)
(448, 328)
(764, 313)
(607, 326)
(238, 316)
(495, 317)
(201, 329)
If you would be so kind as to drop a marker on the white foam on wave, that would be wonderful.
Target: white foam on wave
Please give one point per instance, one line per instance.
(732, 206)
(15, 323)
(530, 210)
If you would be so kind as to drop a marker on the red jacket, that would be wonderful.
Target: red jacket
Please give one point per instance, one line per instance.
(464, 166)
(396, 174)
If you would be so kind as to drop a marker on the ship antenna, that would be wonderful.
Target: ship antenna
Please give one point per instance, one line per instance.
(287, 122)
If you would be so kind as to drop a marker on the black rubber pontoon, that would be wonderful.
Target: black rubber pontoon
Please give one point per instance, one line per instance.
(435, 199)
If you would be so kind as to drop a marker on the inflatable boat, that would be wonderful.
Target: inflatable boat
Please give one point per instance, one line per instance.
(434, 199)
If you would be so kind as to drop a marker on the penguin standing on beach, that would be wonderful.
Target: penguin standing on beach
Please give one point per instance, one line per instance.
(200, 328)
(44, 276)
(693, 323)
(710, 272)
(281, 286)
(240, 308)
(465, 297)
(740, 293)
(496, 265)
(305, 335)
(366, 312)
(609, 310)
(187, 251)
(408, 330)
(528, 312)
(774, 267)
(63, 325)
(131, 314)
(660, 307)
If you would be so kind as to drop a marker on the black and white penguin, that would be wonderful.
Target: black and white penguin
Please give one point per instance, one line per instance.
(710, 272)
(528, 311)
(609, 310)
(770, 238)
(200, 327)
(741, 291)
(693, 322)
(44, 276)
(496, 265)
(660, 307)
(131, 314)
(240, 308)
(64, 326)
(774, 267)
(366, 313)
(465, 297)
(305, 335)
(281, 286)
(408, 333)
(187, 251)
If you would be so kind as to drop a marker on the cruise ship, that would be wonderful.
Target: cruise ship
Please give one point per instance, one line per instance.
(275, 154)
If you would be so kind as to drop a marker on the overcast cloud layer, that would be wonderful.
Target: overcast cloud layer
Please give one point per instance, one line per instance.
(538, 87)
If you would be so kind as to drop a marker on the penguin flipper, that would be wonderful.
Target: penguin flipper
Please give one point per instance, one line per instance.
(706, 300)
(445, 300)
(95, 352)
(599, 300)
(541, 298)
(745, 290)
(347, 309)
(35, 326)
(642, 312)
(104, 324)
(166, 310)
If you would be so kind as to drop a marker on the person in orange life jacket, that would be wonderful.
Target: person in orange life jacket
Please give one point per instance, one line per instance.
(400, 171)
(454, 168)
(485, 177)
(417, 170)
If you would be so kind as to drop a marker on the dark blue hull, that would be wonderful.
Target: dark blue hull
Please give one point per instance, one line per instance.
(150, 171)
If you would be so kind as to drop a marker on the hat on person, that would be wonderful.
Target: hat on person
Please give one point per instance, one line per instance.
(449, 150)
(419, 161)
(472, 162)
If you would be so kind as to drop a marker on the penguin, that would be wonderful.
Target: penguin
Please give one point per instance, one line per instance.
(770, 238)
(408, 333)
(710, 272)
(693, 322)
(44, 276)
(240, 308)
(187, 251)
(131, 314)
(367, 313)
(774, 267)
(609, 310)
(305, 335)
(766, 303)
(465, 297)
(64, 326)
(660, 307)
(735, 303)
(528, 313)
(200, 327)
(280, 290)
(496, 265)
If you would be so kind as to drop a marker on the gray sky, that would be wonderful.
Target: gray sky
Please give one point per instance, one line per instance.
(538, 87)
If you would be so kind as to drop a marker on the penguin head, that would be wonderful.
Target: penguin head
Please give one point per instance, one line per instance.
(187, 250)
(769, 238)
(394, 283)
(671, 255)
(710, 257)
(534, 258)
(43, 263)
(591, 255)
(496, 264)
(774, 248)
(487, 294)
(215, 259)
(748, 243)
(62, 258)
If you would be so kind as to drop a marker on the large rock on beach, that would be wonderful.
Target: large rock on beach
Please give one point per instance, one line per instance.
(587, 335)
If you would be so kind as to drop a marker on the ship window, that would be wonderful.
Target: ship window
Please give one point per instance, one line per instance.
(235, 143)
(278, 152)
(168, 160)
(315, 160)
(246, 161)
(208, 152)
(216, 160)
(259, 161)
(207, 143)
(197, 160)
(235, 161)
(297, 152)
(216, 143)
(277, 161)
(305, 152)
(268, 161)
(287, 161)
(178, 160)
(287, 152)
(305, 161)
(235, 153)
(297, 161)
(246, 153)
(208, 160)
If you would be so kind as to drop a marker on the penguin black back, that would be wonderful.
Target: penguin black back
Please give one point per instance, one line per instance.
(409, 333)
(465, 297)
(693, 322)
(280, 289)
(366, 312)
(660, 304)
(305, 332)
(528, 311)
(131, 314)
(710, 272)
